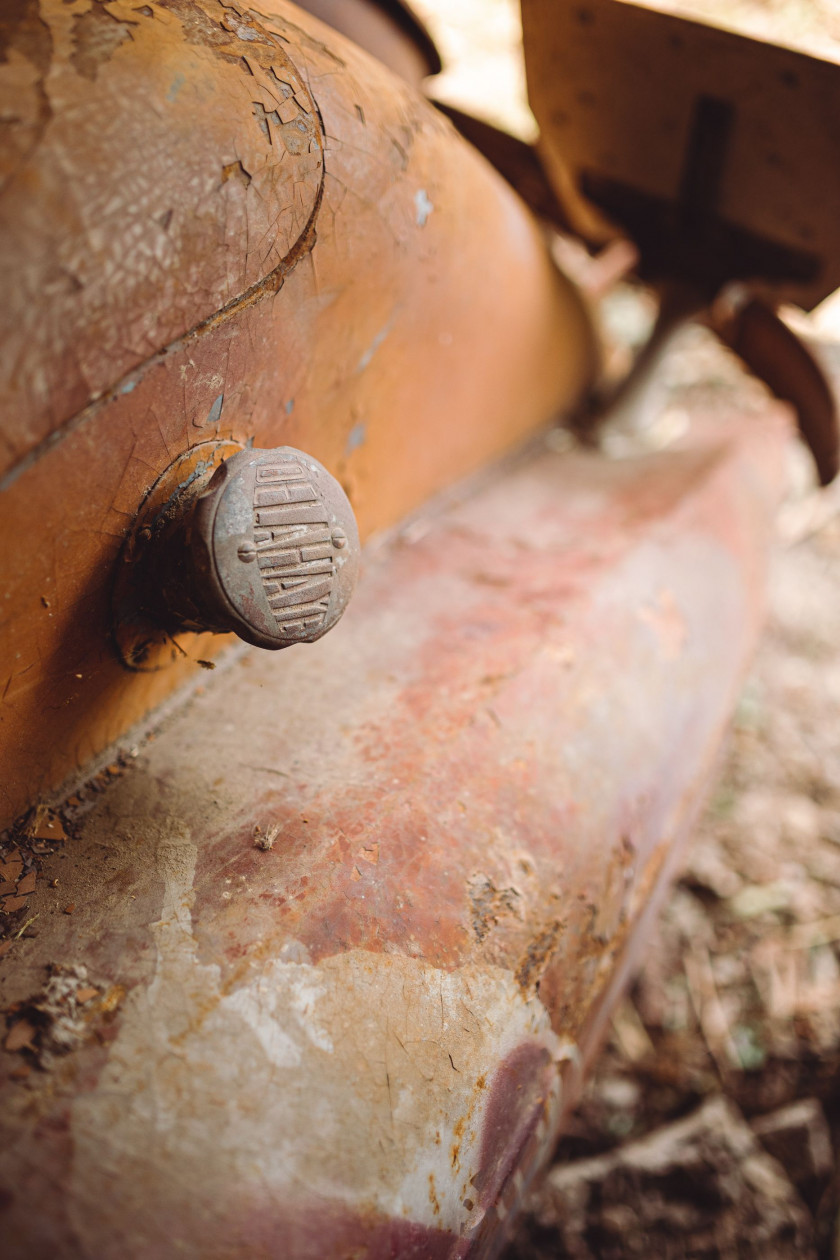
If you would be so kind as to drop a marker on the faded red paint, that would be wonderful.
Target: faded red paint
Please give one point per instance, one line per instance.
(481, 781)
(414, 847)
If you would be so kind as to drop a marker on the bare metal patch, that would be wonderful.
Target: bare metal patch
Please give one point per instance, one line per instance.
(366, 1072)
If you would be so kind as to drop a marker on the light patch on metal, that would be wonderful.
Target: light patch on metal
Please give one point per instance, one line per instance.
(365, 359)
(283, 990)
(365, 1076)
(667, 623)
(356, 437)
(423, 206)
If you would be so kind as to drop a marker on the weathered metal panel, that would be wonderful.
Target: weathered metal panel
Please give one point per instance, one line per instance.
(352, 1040)
(381, 300)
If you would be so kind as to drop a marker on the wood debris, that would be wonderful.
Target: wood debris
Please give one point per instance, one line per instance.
(20, 1036)
(18, 878)
(798, 1137)
(45, 824)
(264, 840)
(61, 1016)
(702, 1178)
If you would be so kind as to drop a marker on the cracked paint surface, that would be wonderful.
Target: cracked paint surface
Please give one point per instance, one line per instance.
(122, 227)
(433, 409)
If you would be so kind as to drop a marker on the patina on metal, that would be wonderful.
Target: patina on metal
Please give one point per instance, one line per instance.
(263, 544)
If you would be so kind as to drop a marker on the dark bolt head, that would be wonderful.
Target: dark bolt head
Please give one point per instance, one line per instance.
(268, 549)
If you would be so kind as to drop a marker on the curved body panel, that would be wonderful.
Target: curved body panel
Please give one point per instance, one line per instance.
(351, 924)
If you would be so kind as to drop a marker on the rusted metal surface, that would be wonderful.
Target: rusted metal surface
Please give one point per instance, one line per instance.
(264, 545)
(353, 915)
(144, 639)
(714, 152)
(781, 359)
(177, 275)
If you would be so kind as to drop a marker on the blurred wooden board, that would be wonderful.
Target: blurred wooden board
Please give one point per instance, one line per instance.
(615, 87)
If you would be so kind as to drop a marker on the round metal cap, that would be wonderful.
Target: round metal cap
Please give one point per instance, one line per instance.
(280, 547)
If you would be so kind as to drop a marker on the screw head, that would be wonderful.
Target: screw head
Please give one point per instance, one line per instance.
(339, 538)
(247, 551)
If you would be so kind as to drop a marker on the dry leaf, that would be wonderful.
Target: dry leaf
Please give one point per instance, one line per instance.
(46, 825)
(20, 1036)
(630, 1032)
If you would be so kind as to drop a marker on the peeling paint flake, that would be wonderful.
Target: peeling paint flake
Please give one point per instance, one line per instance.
(215, 412)
(356, 437)
(97, 34)
(236, 171)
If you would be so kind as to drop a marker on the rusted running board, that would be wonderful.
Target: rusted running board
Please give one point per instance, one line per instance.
(362, 1036)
